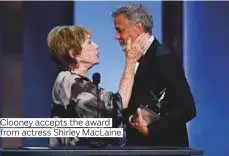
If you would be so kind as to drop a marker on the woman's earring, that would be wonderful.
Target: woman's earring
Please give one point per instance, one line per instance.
(76, 61)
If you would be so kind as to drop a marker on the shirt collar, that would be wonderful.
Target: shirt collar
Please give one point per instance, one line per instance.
(148, 43)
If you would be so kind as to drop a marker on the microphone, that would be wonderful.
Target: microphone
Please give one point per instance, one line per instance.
(96, 79)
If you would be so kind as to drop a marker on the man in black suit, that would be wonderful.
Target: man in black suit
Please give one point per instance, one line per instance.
(158, 72)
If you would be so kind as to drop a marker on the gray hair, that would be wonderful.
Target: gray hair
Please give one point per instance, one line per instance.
(136, 13)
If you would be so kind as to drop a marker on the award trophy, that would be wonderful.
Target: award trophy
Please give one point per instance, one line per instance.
(149, 115)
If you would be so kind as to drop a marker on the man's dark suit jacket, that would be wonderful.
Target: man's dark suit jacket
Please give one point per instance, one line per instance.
(161, 69)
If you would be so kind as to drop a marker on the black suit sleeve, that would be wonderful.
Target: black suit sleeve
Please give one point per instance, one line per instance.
(182, 107)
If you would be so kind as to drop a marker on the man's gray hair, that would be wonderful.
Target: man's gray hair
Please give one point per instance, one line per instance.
(136, 13)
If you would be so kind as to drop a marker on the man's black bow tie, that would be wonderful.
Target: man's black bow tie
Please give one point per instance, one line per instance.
(140, 60)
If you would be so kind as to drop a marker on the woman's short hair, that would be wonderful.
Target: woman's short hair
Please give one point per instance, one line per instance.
(61, 39)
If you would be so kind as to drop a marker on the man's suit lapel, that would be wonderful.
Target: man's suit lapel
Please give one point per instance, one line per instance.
(146, 60)
(141, 76)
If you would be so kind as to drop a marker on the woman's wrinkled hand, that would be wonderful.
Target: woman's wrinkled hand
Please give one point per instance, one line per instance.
(134, 50)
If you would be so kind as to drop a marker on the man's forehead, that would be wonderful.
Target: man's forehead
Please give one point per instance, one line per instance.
(120, 19)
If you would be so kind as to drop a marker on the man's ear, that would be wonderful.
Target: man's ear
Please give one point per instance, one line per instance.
(139, 27)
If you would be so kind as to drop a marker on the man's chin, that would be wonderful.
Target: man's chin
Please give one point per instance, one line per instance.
(123, 47)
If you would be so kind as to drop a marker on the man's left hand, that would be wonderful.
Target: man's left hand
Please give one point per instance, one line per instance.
(140, 123)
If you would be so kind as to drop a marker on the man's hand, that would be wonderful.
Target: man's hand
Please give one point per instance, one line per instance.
(140, 123)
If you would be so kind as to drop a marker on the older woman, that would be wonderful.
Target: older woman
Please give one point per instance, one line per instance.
(74, 95)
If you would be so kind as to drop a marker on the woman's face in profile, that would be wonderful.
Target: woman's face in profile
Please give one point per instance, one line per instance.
(90, 52)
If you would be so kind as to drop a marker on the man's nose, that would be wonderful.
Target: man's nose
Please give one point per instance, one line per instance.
(117, 36)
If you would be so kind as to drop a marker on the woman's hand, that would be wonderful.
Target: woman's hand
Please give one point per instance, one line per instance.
(134, 50)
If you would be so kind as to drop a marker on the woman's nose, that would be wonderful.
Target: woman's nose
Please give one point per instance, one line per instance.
(97, 46)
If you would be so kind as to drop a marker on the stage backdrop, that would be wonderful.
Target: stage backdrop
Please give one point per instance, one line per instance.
(38, 68)
(206, 58)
